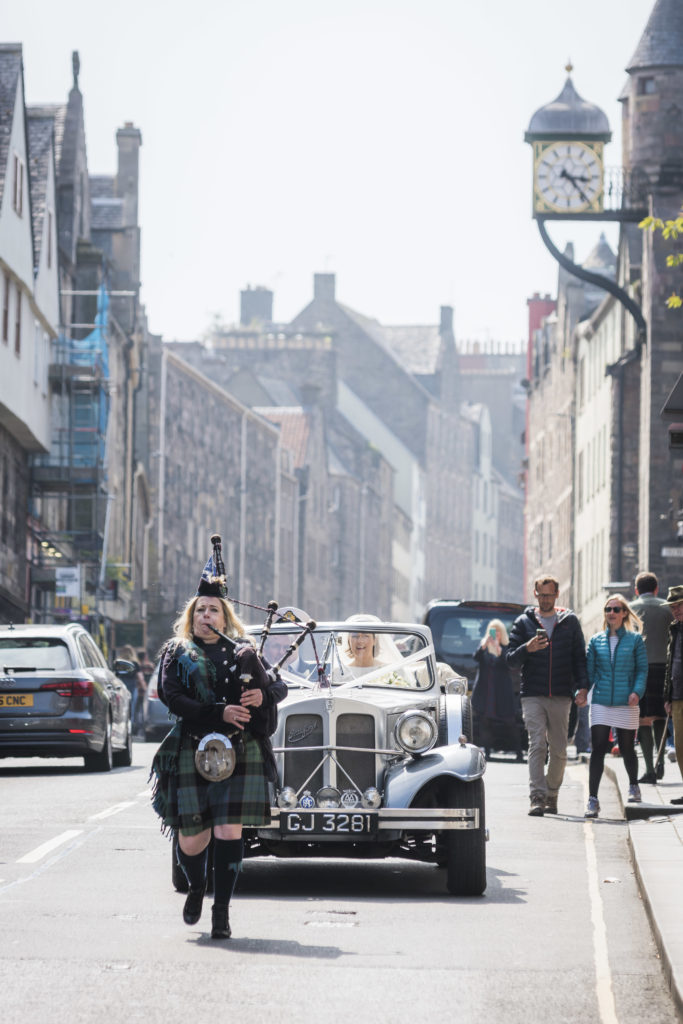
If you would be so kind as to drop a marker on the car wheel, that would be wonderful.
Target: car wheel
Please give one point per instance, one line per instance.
(124, 758)
(467, 719)
(466, 849)
(104, 761)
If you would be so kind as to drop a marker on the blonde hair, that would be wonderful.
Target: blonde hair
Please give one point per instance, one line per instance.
(232, 625)
(500, 626)
(632, 622)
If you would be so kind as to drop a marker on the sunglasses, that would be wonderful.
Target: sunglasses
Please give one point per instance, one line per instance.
(614, 609)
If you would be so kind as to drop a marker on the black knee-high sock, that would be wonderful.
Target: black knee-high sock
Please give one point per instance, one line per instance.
(227, 861)
(646, 744)
(194, 868)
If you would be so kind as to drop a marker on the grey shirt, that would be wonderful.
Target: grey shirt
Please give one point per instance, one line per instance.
(656, 616)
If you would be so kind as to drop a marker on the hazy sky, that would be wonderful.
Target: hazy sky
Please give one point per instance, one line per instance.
(381, 140)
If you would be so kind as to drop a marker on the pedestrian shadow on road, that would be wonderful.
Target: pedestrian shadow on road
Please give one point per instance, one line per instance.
(274, 947)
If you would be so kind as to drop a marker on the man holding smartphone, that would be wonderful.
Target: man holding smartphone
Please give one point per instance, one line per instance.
(547, 644)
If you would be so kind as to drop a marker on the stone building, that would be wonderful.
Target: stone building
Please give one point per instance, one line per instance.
(550, 431)
(493, 375)
(611, 379)
(652, 129)
(71, 297)
(400, 453)
(30, 316)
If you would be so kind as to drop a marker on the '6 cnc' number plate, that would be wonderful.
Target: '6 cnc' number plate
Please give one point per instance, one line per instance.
(338, 823)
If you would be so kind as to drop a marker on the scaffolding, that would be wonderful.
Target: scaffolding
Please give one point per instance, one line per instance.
(68, 485)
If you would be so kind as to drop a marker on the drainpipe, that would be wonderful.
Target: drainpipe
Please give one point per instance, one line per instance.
(243, 510)
(616, 371)
(161, 495)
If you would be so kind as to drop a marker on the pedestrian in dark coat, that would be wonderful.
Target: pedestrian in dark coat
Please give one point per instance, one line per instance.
(673, 679)
(547, 643)
(494, 701)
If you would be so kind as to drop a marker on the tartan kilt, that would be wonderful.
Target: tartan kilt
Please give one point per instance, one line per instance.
(193, 804)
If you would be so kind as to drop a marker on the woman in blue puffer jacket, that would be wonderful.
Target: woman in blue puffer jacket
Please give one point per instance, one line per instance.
(616, 662)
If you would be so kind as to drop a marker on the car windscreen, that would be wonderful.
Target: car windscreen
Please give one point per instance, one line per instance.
(354, 656)
(34, 653)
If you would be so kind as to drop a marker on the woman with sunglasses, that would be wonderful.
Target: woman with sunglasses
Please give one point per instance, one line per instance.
(616, 662)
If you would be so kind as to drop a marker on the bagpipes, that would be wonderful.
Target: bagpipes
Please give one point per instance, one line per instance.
(218, 578)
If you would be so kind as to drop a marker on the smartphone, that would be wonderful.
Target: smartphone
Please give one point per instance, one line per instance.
(541, 634)
(492, 633)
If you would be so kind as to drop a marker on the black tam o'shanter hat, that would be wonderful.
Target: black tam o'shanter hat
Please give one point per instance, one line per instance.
(212, 582)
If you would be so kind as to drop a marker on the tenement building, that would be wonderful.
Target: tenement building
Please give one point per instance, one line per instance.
(604, 485)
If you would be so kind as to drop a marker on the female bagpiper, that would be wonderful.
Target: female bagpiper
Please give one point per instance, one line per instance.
(212, 770)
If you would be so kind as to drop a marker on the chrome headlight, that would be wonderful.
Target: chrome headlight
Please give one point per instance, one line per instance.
(286, 798)
(371, 798)
(328, 796)
(456, 684)
(415, 732)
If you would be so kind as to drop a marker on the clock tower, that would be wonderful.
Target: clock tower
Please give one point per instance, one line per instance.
(568, 138)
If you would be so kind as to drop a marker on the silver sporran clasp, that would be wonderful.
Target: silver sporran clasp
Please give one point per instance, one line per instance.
(215, 758)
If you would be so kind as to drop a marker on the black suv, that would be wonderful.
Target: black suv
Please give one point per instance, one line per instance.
(458, 628)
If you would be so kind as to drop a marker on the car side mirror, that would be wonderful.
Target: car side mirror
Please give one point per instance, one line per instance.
(121, 665)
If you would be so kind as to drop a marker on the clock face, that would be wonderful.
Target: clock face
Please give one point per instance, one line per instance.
(568, 177)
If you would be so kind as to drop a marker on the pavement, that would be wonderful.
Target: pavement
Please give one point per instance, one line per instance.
(656, 843)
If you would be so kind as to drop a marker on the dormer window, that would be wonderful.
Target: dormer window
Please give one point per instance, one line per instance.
(18, 185)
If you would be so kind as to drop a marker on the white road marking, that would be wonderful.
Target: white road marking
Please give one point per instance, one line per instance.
(114, 809)
(603, 976)
(51, 844)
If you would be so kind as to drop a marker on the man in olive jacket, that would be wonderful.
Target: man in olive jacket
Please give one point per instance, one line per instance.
(547, 644)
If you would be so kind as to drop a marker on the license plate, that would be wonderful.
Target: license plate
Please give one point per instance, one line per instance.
(16, 700)
(338, 823)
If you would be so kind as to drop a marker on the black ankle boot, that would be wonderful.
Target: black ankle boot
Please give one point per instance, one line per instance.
(192, 910)
(220, 925)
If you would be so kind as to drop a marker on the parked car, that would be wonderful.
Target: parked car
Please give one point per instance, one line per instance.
(59, 698)
(375, 762)
(158, 720)
(457, 628)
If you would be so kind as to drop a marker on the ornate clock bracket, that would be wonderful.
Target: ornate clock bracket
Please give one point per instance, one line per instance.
(597, 279)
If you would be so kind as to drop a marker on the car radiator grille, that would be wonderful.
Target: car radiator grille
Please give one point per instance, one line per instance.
(348, 730)
(306, 731)
(356, 731)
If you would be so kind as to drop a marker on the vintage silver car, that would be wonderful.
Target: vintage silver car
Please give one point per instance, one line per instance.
(374, 753)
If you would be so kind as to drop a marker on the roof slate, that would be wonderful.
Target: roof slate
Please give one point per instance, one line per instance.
(416, 347)
(661, 44)
(106, 207)
(57, 111)
(10, 70)
(40, 135)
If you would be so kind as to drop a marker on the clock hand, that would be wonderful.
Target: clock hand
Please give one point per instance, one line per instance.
(564, 173)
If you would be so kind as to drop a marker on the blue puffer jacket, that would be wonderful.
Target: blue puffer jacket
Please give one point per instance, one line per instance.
(613, 681)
